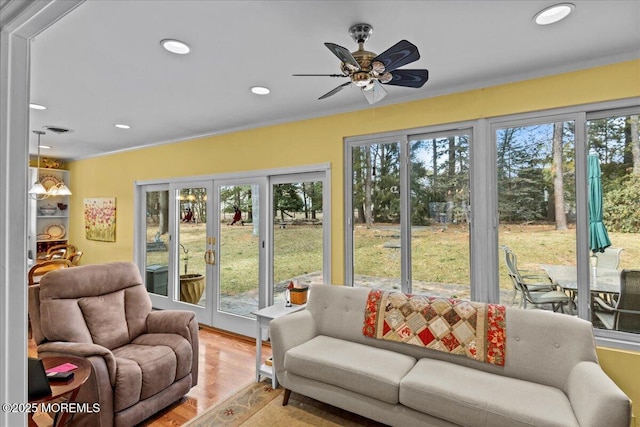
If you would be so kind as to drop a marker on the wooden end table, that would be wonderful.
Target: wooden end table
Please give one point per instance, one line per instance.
(63, 389)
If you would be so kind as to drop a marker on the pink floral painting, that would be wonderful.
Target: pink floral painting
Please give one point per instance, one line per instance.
(100, 219)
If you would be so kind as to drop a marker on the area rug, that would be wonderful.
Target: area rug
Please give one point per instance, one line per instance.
(259, 405)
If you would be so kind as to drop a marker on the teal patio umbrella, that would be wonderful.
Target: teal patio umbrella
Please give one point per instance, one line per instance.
(598, 236)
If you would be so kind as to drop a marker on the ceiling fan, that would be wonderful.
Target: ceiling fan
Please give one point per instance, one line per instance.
(369, 71)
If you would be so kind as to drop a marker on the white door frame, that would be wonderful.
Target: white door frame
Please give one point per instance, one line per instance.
(20, 22)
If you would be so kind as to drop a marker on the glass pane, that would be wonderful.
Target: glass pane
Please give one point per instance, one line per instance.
(239, 250)
(615, 142)
(376, 216)
(439, 179)
(536, 203)
(157, 238)
(192, 234)
(297, 235)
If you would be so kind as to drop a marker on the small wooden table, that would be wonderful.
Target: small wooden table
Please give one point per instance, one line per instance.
(68, 389)
(263, 317)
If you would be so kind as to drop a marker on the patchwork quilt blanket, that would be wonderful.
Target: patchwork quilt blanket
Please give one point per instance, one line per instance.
(472, 329)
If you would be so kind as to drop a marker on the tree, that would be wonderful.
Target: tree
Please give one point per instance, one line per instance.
(163, 212)
(368, 178)
(286, 199)
(635, 144)
(558, 177)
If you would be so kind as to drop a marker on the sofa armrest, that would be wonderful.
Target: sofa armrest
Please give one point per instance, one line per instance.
(86, 350)
(180, 322)
(287, 332)
(596, 400)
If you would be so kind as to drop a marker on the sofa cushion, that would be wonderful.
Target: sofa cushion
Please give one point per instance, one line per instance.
(154, 365)
(363, 369)
(471, 397)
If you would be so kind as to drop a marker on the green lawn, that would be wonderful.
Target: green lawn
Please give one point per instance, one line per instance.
(439, 255)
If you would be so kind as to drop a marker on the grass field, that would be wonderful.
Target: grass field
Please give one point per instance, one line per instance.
(439, 255)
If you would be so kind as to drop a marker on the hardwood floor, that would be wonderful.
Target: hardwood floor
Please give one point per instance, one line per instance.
(227, 363)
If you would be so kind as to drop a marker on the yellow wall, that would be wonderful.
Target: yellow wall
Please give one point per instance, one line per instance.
(320, 140)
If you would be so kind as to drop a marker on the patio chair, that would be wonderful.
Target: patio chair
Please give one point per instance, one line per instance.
(623, 314)
(536, 282)
(535, 293)
(610, 258)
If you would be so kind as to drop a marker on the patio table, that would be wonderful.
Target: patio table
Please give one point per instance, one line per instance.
(565, 276)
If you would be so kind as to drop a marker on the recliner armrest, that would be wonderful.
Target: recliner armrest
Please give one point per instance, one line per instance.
(171, 322)
(78, 349)
(596, 400)
(180, 322)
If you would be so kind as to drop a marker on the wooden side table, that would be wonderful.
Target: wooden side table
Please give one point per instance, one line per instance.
(67, 390)
(263, 317)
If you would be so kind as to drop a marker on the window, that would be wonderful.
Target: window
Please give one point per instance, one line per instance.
(537, 215)
(614, 144)
(376, 214)
(432, 210)
(409, 211)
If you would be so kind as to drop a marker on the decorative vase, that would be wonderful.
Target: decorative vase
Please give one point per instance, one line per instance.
(191, 287)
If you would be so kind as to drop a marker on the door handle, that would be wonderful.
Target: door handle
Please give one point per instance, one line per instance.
(210, 257)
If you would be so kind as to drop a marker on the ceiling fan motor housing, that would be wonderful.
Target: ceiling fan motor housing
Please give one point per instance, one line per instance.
(361, 32)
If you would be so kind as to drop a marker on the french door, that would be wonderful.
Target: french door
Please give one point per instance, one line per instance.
(240, 254)
(179, 247)
(203, 245)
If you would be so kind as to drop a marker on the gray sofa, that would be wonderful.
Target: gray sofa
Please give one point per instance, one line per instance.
(551, 376)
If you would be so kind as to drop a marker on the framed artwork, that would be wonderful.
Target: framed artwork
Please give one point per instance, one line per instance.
(100, 219)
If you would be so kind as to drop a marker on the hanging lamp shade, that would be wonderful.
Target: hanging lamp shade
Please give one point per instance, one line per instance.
(60, 190)
(37, 189)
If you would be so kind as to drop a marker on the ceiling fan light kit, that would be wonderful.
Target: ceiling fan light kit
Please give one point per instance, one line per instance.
(368, 71)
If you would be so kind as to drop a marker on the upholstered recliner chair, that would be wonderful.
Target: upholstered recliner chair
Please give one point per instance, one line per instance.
(142, 360)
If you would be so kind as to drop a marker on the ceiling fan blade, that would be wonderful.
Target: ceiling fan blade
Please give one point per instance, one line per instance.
(336, 90)
(409, 78)
(319, 75)
(401, 53)
(343, 54)
(376, 93)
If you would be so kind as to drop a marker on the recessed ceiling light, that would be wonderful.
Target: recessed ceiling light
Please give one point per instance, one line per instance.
(260, 90)
(37, 106)
(46, 147)
(175, 46)
(122, 126)
(553, 14)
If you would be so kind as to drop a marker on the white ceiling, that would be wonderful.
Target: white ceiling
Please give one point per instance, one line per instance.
(102, 63)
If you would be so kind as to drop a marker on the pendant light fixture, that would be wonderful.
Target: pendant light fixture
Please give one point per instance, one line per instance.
(38, 191)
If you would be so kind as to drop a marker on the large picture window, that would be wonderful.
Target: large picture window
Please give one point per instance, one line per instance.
(537, 215)
(504, 212)
(614, 145)
(410, 214)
